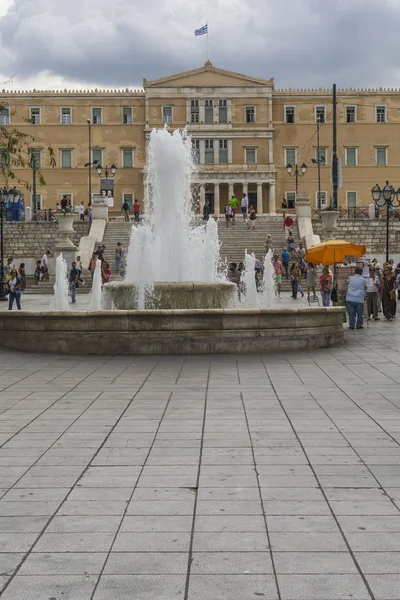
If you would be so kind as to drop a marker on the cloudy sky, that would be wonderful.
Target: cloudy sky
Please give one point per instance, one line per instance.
(115, 43)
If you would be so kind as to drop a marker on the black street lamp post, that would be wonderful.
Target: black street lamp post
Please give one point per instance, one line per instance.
(317, 161)
(12, 195)
(89, 163)
(386, 197)
(99, 170)
(297, 172)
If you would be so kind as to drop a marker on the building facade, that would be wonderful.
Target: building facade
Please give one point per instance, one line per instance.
(244, 133)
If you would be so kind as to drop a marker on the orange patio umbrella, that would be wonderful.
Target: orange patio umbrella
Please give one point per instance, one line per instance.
(333, 251)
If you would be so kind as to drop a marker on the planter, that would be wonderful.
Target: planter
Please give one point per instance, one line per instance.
(329, 219)
(65, 228)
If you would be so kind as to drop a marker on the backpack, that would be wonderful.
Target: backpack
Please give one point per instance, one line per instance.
(125, 206)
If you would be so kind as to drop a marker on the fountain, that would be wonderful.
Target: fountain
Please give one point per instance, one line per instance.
(61, 287)
(175, 298)
(171, 264)
(95, 300)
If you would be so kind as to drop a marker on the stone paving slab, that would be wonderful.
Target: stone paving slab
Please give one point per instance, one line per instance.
(222, 477)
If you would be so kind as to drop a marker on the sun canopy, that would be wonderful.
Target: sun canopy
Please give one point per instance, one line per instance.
(333, 251)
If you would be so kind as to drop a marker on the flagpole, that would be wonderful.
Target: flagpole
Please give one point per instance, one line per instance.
(208, 54)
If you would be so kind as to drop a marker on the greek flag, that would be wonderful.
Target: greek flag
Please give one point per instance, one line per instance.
(202, 31)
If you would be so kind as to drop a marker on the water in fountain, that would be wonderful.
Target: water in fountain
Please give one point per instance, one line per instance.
(167, 247)
(95, 301)
(60, 299)
(266, 298)
(250, 296)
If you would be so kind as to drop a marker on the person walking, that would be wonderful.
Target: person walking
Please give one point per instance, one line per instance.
(233, 203)
(73, 282)
(285, 261)
(82, 211)
(44, 266)
(311, 281)
(252, 217)
(92, 264)
(288, 224)
(372, 293)
(268, 245)
(244, 205)
(14, 285)
(119, 251)
(228, 214)
(278, 270)
(105, 272)
(388, 292)
(125, 210)
(136, 211)
(22, 275)
(325, 286)
(355, 299)
(295, 277)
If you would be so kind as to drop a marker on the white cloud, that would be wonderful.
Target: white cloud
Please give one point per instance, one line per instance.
(115, 43)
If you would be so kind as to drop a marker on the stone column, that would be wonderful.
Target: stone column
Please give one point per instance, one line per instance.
(229, 110)
(272, 205)
(230, 152)
(202, 152)
(202, 196)
(271, 151)
(188, 104)
(201, 111)
(245, 188)
(217, 208)
(230, 190)
(259, 198)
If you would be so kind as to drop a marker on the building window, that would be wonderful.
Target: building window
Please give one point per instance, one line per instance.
(250, 156)
(351, 199)
(381, 157)
(66, 116)
(289, 114)
(290, 156)
(66, 158)
(250, 114)
(36, 158)
(381, 114)
(291, 199)
(350, 114)
(223, 151)
(196, 151)
(167, 114)
(194, 111)
(5, 116)
(35, 116)
(209, 154)
(36, 203)
(127, 115)
(351, 157)
(127, 158)
(223, 111)
(97, 117)
(208, 111)
(321, 156)
(320, 114)
(97, 157)
(321, 199)
(127, 198)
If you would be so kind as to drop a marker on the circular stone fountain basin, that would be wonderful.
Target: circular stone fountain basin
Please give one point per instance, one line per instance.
(172, 331)
(171, 295)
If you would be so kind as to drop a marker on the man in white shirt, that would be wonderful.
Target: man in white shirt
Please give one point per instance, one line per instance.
(244, 206)
(82, 211)
(44, 266)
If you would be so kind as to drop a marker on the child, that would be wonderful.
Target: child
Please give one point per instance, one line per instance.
(228, 214)
(252, 217)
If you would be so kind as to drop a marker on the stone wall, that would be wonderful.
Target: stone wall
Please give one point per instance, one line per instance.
(27, 242)
(372, 233)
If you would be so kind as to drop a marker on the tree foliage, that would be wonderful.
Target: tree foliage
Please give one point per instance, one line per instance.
(15, 154)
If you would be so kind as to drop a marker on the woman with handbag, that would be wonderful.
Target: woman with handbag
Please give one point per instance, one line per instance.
(14, 285)
(388, 287)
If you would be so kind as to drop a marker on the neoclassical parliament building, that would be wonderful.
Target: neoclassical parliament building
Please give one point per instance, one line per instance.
(244, 133)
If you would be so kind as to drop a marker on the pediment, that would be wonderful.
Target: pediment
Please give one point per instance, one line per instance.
(207, 76)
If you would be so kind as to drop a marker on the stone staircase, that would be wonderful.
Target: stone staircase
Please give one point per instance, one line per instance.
(116, 231)
(46, 287)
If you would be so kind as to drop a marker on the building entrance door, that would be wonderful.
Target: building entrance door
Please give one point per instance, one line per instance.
(252, 196)
(209, 199)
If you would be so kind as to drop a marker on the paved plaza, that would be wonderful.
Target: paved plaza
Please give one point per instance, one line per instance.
(202, 478)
